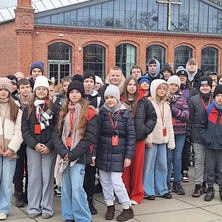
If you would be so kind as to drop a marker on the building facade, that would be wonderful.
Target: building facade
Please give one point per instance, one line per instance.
(99, 34)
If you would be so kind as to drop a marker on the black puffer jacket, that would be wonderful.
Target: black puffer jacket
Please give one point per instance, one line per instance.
(94, 99)
(111, 158)
(28, 129)
(194, 82)
(144, 118)
(196, 109)
(82, 149)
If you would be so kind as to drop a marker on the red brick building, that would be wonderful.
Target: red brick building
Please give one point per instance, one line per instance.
(99, 34)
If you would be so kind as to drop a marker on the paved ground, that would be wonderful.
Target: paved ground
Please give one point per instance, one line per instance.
(178, 209)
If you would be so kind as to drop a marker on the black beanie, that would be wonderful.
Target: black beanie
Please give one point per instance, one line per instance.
(89, 74)
(167, 67)
(77, 83)
(218, 90)
(204, 80)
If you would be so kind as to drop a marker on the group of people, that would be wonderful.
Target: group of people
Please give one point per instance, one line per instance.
(136, 131)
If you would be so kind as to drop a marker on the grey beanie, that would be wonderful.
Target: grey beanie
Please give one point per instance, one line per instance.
(174, 79)
(112, 90)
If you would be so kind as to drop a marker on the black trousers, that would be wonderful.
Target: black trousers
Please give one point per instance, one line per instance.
(186, 155)
(89, 180)
(21, 164)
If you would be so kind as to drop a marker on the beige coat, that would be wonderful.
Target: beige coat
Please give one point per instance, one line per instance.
(157, 135)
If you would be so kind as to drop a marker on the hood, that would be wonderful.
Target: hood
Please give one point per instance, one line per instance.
(189, 75)
(141, 92)
(167, 67)
(155, 83)
(157, 67)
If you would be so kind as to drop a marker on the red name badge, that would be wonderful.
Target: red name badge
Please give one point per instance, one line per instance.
(164, 131)
(37, 129)
(115, 140)
(68, 141)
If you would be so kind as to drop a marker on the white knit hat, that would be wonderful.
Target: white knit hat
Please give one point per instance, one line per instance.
(112, 90)
(41, 81)
(99, 80)
(174, 79)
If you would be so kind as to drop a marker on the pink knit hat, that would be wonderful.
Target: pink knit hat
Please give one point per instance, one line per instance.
(5, 83)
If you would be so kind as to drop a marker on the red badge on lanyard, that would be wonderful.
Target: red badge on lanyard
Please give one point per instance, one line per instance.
(115, 138)
(71, 115)
(38, 126)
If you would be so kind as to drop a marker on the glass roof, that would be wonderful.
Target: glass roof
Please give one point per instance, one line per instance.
(39, 6)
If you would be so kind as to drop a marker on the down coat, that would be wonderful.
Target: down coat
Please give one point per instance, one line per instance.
(145, 116)
(111, 158)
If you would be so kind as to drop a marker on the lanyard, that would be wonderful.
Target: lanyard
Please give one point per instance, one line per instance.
(38, 116)
(204, 103)
(71, 116)
(162, 113)
(115, 125)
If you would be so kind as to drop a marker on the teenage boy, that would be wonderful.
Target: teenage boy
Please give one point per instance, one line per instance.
(115, 77)
(188, 92)
(211, 131)
(136, 71)
(37, 69)
(65, 83)
(154, 70)
(96, 101)
(24, 87)
(166, 71)
(193, 72)
(52, 95)
(197, 105)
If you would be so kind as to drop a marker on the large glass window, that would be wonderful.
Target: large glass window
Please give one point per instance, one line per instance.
(156, 52)
(59, 61)
(181, 56)
(209, 60)
(94, 59)
(125, 57)
(193, 16)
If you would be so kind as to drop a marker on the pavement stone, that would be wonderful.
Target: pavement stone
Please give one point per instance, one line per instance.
(178, 209)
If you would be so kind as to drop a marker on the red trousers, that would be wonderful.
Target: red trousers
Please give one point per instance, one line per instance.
(133, 175)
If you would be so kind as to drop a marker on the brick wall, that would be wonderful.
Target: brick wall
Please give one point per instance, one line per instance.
(8, 53)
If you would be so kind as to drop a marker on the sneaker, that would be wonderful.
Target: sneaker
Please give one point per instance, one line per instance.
(19, 199)
(178, 189)
(210, 194)
(198, 191)
(46, 216)
(126, 214)
(92, 206)
(169, 187)
(220, 193)
(57, 191)
(3, 216)
(150, 197)
(185, 177)
(204, 187)
(167, 196)
(172, 178)
(32, 215)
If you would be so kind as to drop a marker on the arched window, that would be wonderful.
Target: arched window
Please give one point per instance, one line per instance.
(59, 61)
(181, 56)
(157, 52)
(94, 59)
(125, 57)
(209, 60)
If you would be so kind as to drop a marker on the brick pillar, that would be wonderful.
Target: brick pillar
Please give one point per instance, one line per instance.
(24, 27)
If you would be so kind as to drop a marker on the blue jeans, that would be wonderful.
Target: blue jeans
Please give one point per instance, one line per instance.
(155, 170)
(7, 170)
(74, 199)
(174, 157)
